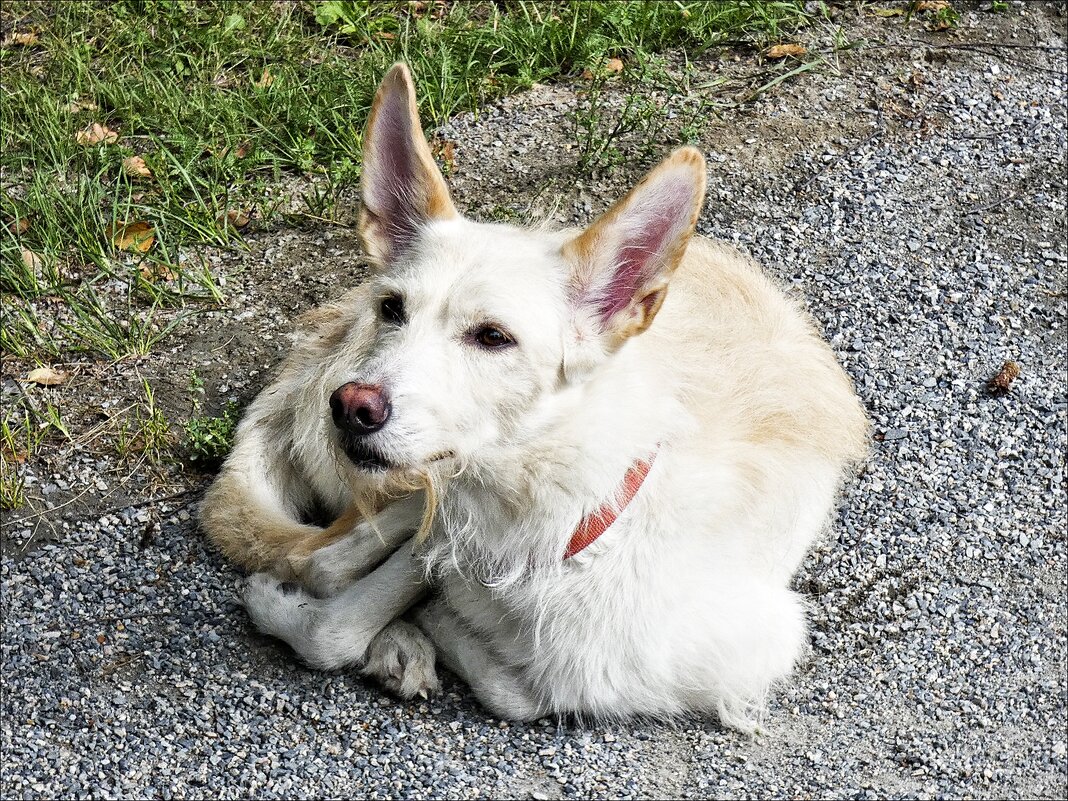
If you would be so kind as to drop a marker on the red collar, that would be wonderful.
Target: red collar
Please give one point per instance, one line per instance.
(594, 525)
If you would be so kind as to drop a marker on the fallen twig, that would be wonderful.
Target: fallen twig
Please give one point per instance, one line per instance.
(151, 501)
(989, 206)
(987, 48)
(776, 81)
(975, 45)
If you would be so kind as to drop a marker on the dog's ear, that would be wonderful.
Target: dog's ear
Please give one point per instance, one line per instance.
(401, 187)
(622, 263)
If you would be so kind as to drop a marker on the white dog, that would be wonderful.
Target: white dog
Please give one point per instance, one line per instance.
(618, 481)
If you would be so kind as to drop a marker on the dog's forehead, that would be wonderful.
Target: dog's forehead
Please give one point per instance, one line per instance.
(461, 260)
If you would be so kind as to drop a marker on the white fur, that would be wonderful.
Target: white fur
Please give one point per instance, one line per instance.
(683, 604)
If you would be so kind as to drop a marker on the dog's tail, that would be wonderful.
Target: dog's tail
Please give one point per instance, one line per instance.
(255, 532)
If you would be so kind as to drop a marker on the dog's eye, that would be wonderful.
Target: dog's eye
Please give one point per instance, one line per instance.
(392, 310)
(491, 338)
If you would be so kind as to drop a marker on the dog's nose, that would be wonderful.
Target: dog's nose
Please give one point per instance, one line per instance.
(360, 408)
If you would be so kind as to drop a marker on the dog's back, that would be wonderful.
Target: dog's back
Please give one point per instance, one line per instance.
(757, 369)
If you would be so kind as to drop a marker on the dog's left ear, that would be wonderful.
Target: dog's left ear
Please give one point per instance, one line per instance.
(622, 263)
(401, 186)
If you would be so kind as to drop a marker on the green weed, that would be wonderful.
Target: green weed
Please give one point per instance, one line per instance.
(209, 439)
(146, 433)
(598, 129)
(12, 486)
(23, 432)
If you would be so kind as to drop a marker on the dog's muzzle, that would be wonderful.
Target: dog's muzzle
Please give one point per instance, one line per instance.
(359, 410)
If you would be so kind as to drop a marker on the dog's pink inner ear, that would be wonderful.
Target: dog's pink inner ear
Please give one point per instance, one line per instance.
(639, 260)
(390, 190)
(402, 188)
(626, 257)
(389, 176)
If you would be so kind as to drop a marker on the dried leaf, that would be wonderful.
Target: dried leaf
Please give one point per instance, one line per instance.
(613, 65)
(234, 218)
(19, 226)
(18, 458)
(78, 106)
(389, 37)
(100, 638)
(587, 74)
(156, 272)
(930, 5)
(32, 260)
(135, 167)
(95, 134)
(223, 81)
(25, 39)
(243, 149)
(784, 50)
(266, 79)
(1001, 382)
(135, 237)
(445, 152)
(46, 377)
(888, 12)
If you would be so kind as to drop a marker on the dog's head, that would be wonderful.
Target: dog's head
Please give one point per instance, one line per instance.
(482, 329)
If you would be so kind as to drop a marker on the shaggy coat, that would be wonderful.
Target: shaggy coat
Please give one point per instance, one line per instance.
(522, 373)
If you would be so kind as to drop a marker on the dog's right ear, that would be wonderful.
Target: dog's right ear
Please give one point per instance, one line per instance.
(401, 186)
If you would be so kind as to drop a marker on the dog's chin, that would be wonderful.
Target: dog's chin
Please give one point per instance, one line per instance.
(364, 457)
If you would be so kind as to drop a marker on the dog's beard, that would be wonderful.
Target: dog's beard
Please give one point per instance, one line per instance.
(367, 457)
(362, 454)
(391, 479)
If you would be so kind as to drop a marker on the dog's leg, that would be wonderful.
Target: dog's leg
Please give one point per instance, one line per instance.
(334, 632)
(499, 688)
(329, 570)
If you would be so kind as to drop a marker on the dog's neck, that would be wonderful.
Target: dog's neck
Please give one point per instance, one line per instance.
(519, 503)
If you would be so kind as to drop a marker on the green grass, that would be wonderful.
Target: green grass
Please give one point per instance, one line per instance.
(145, 433)
(139, 432)
(23, 433)
(224, 101)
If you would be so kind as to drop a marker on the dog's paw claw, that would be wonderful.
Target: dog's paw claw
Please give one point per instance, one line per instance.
(402, 657)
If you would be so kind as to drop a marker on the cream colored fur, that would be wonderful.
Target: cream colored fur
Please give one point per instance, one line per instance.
(683, 604)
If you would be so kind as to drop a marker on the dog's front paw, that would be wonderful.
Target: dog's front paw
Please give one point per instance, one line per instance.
(281, 609)
(401, 657)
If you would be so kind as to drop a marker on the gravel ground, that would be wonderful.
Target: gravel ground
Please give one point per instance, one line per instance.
(916, 197)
